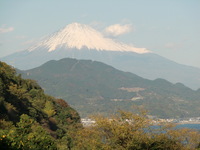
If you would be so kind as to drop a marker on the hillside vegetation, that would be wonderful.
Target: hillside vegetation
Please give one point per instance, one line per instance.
(30, 119)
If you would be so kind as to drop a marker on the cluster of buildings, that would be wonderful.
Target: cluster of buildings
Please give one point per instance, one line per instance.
(193, 120)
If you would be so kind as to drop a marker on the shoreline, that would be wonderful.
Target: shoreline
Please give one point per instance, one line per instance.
(191, 122)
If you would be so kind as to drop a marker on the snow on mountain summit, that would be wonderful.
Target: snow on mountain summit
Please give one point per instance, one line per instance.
(80, 36)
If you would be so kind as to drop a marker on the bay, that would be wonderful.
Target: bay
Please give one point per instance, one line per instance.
(190, 126)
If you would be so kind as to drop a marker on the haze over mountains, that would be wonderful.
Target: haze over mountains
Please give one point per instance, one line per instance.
(94, 87)
(83, 42)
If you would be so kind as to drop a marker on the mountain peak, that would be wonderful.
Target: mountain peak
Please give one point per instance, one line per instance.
(81, 36)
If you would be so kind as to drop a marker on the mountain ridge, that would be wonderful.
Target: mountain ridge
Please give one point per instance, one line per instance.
(91, 86)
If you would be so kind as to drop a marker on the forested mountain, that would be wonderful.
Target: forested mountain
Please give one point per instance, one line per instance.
(93, 87)
(30, 119)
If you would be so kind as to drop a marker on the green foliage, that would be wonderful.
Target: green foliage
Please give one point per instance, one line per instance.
(49, 109)
(29, 119)
(27, 134)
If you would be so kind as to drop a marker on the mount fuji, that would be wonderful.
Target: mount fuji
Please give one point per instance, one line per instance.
(80, 36)
(83, 42)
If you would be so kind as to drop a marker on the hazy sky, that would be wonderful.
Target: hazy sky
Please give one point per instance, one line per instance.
(170, 28)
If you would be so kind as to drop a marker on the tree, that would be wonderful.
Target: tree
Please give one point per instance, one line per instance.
(134, 132)
(28, 134)
(49, 109)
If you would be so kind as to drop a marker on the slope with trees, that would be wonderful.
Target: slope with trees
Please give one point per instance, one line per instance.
(30, 119)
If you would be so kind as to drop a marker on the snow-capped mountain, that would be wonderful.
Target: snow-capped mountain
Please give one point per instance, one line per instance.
(81, 36)
(83, 42)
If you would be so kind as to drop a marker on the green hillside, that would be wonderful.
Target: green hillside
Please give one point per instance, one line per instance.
(30, 119)
(93, 87)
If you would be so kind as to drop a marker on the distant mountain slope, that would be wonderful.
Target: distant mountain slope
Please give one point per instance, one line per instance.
(93, 87)
(83, 42)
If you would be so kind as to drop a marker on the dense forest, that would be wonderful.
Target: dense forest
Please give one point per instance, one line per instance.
(32, 120)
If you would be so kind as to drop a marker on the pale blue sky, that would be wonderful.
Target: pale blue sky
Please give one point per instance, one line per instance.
(170, 28)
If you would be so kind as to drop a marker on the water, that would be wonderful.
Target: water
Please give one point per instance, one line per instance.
(190, 126)
(179, 126)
